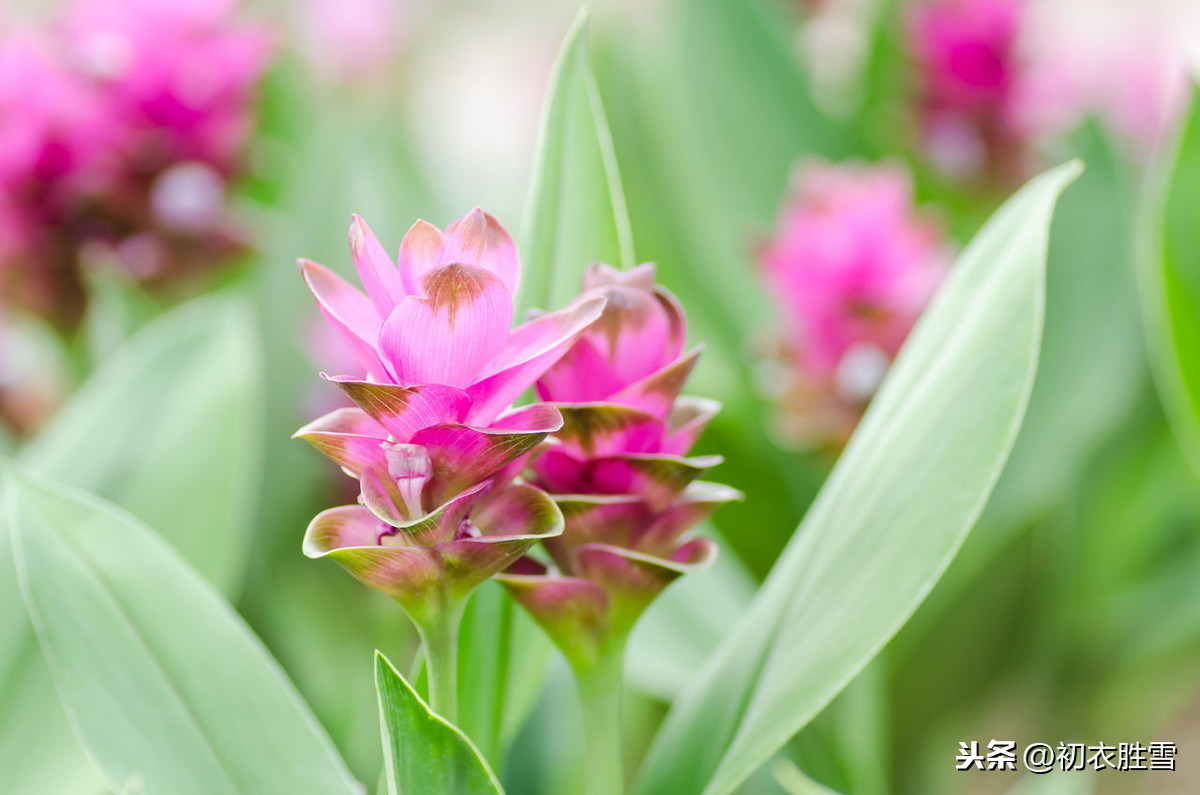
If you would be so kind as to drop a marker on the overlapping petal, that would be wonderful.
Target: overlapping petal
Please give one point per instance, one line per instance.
(404, 410)
(376, 271)
(527, 353)
(448, 335)
(348, 311)
(349, 437)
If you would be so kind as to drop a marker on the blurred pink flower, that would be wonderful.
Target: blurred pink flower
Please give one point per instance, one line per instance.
(851, 266)
(618, 470)
(121, 125)
(179, 78)
(966, 54)
(997, 77)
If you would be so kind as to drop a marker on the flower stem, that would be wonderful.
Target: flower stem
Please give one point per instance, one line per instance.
(440, 637)
(600, 695)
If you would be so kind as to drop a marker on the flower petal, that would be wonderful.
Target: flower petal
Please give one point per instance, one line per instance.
(404, 410)
(656, 393)
(449, 335)
(527, 353)
(463, 455)
(348, 311)
(656, 478)
(478, 239)
(571, 610)
(347, 534)
(695, 504)
(347, 436)
(632, 580)
(614, 519)
(687, 420)
(375, 268)
(443, 523)
(594, 430)
(509, 523)
(583, 374)
(420, 252)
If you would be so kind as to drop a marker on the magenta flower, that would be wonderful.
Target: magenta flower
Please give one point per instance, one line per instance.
(432, 442)
(179, 78)
(121, 128)
(851, 266)
(966, 53)
(433, 330)
(617, 470)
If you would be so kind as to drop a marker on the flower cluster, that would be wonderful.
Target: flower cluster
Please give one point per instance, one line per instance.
(432, 439)
(618, 471)
(121, 127)
(996, 77)
(966, 51)
(851, 266)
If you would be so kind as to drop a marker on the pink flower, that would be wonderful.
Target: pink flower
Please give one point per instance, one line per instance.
(618, 471)
(851, 266)
(180, 77)
(434, 326)
(432, 441)
(966, 53)
(121, 127)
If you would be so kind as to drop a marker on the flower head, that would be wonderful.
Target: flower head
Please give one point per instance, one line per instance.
(436, 322)
(432, 440)
(851, 266)
(121, 127)
(618, 469)
(966, 53)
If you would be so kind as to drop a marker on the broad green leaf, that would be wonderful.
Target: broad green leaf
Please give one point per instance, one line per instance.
(162, 681)
(424, 754)
(897, 506)
(1171, 286)
(168, 428)
(575, 211)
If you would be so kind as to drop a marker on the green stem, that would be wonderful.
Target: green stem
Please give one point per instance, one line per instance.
(440, 636)
(600, 695)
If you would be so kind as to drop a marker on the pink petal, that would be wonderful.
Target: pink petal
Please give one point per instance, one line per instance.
(616, 519)
(527, 353)
(571, 610)
(478, 239)
(347, 310)
(657, 392)
(658, 479)
(694, 505)
(404, 410)
(687, 420)
(463, 455)
(420, 252)
(450, 336)
(347, 436)
(375, 268)
(348, 535)
(633, 580)
(594, 430)
(583, 374)
(442, 524)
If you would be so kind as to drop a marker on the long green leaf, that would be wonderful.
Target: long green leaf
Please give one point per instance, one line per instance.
(423, 754)
(162, 681)
(168, 428)
(575, 211)
(1171, 285)
(908, 488)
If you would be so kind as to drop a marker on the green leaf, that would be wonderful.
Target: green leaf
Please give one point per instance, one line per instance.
(423, 754)
(162, 681)
(1171, 286)
(168, 428)
(897, 506)
(575, 212)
